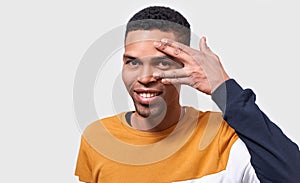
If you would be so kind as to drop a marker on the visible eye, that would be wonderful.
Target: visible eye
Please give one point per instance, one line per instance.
(133, 63)
(163, 64)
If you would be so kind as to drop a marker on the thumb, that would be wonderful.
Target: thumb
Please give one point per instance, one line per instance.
(202, 44)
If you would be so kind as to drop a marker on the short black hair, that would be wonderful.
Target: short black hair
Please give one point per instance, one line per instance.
(161, 18)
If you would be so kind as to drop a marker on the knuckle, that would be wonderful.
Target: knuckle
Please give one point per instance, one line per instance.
(167, 42)
(177, 51)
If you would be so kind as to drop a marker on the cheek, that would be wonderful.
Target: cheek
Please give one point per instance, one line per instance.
(128, 78)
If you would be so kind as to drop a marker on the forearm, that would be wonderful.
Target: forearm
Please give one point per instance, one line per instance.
(273, 155)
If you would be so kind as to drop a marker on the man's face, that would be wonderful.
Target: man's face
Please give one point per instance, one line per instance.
(140, 60)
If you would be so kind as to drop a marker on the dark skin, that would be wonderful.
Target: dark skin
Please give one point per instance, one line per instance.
(154, 68)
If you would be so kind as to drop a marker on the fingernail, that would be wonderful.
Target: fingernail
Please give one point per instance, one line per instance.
(164, 40)
(165, 81)
(156, 75)
(157, 43)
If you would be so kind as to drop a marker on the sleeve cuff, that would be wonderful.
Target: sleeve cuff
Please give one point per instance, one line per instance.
(225, 93)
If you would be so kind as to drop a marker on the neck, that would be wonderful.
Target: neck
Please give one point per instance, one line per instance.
(167, 118)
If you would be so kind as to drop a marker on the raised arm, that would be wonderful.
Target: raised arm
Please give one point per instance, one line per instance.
(274, 156)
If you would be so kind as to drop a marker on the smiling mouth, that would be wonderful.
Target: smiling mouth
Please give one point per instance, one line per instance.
(149, 94)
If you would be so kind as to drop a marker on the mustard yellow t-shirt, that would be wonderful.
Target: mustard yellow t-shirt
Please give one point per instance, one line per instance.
(196, 148)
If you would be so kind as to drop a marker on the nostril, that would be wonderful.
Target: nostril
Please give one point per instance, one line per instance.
(146, 80)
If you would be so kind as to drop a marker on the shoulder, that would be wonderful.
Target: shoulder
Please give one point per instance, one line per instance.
(106, 122)
(213, 129)
(103, 128)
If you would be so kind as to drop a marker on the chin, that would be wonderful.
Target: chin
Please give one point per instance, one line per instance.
(150, 111)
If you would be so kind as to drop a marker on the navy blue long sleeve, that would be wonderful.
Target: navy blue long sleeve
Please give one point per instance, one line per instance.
(274, 156)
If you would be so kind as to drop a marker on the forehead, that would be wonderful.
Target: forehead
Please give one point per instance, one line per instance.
(147, 35)
(140, 43)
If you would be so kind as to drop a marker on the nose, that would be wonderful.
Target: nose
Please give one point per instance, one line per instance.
(146, 76)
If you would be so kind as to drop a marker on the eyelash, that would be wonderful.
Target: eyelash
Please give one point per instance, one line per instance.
(162, 64)
(132, 61)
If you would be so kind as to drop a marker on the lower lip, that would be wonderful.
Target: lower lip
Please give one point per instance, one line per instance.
(144, 100)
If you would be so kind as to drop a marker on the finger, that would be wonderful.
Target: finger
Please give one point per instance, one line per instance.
(188, 50)
(175, 81)
(202, 45)
(174, 44)
(176, 73)
(169, 48)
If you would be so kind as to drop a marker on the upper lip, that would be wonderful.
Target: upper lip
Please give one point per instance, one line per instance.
(147, 90)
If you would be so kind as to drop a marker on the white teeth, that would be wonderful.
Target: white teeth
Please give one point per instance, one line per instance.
(148, 95)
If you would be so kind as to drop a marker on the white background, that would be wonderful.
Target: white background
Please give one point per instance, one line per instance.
(42, 43)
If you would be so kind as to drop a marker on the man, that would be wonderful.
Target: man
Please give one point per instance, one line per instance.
(162, 141)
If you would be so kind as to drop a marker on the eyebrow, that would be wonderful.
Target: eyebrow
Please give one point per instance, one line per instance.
(128, 57)
(154, 58)
(162, 58)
